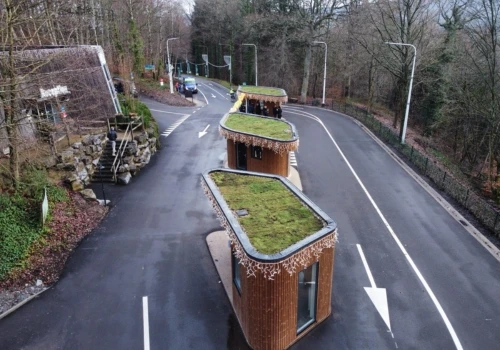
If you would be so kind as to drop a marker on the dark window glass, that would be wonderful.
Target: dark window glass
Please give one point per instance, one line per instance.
(236, 273)
(307, 294)
(257, 152)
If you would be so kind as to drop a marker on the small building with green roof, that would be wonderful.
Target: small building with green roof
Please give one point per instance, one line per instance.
(257, 143)
(282, 253)
(269, 96)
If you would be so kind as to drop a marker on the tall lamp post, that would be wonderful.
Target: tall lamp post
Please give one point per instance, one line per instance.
(256, 74)
(405, 122)
(169, 68)
(324, 73)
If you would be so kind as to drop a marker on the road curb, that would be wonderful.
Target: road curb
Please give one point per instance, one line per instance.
(473, 231)
(18, 305)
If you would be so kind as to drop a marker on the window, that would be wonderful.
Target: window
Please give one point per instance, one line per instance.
(257, 152)
(236, 273)
(307, 295)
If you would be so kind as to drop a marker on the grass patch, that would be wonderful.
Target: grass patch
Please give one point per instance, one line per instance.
(264, 127)
(262, 90)
(276, 217)
(20, 218)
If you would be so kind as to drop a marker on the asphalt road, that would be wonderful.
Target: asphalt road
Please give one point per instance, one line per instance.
(152, 244)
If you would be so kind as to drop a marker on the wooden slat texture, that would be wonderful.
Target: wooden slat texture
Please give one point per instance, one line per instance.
(267, 309)
(271, 163)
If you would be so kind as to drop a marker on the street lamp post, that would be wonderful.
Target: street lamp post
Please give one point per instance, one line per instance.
(405, 122)
(324, 73)
(256, 74)
(169, 69)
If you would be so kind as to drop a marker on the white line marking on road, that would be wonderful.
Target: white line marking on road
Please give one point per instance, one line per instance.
(174, 126)
(378, 296)
(216, 91)
(367, 268)
(204, 132)
(203, 96)
(145, 317)
(157, 110)
(447, 322)
(213, 96)
(293, 159)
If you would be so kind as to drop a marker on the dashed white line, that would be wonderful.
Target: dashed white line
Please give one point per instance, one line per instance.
(436, 302)
(293, 159)
(172, 127)
(145, 318)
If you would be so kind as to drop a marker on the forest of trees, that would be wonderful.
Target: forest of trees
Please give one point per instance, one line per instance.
(456, 92)
(455, 101)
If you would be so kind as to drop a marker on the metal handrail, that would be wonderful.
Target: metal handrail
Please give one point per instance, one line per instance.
(122, 148)
(117, 157)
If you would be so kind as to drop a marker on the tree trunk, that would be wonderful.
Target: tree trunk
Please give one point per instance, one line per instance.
(305, 79)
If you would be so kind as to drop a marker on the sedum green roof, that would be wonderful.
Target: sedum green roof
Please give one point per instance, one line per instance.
(262, 90)
(276, 218)
(264, 127)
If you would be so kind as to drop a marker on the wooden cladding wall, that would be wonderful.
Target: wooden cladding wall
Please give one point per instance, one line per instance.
(271, 162)
(267, 309)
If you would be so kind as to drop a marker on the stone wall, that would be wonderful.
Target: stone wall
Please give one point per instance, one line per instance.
(137, 156)
(81, 160)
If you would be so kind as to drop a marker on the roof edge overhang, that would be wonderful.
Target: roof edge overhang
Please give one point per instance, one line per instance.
(289, 258)
(278, 146)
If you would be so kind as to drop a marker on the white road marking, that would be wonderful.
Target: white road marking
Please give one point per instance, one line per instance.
(447, 322)
(172, 127)
(157, 110)
(204, 132)
(378, 296)
(216, 91)
(145, 317)
(293, 159)
(205, 97)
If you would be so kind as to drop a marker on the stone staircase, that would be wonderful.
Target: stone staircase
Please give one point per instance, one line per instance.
(106, 160)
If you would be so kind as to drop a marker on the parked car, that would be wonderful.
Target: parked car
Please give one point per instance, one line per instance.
(122, 85)
(190, 84)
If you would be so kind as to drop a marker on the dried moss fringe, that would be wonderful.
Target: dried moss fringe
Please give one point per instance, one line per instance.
(293, 263)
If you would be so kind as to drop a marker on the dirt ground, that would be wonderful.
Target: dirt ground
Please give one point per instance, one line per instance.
(164, 96)
(71, 222)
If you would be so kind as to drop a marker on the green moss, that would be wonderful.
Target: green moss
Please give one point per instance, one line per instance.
(264, 127)
(262, 90)
(276, 217)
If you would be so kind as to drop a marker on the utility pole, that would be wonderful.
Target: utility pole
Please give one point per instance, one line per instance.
(324, 73)
(169, 68)
(405, 122)
(256, 71)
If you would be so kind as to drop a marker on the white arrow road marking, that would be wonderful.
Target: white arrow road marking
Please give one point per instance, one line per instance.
(378, 296)
(216, 91)
(145, 318)
(204, 132)
(213, 96)
(393, 234)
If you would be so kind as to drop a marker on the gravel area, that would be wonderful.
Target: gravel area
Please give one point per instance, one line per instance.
(9, 299)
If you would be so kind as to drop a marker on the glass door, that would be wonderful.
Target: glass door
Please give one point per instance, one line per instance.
(307, 294)
(241, 156)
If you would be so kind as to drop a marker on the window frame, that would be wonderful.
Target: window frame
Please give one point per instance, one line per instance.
(236, 275)
(308, 324)
(252, 152)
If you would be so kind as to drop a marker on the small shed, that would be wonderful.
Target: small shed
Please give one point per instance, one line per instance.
(58, 83)
(258, 143)
(282, 250)
(259, 97)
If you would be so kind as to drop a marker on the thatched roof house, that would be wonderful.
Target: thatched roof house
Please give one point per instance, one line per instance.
(54, 83)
